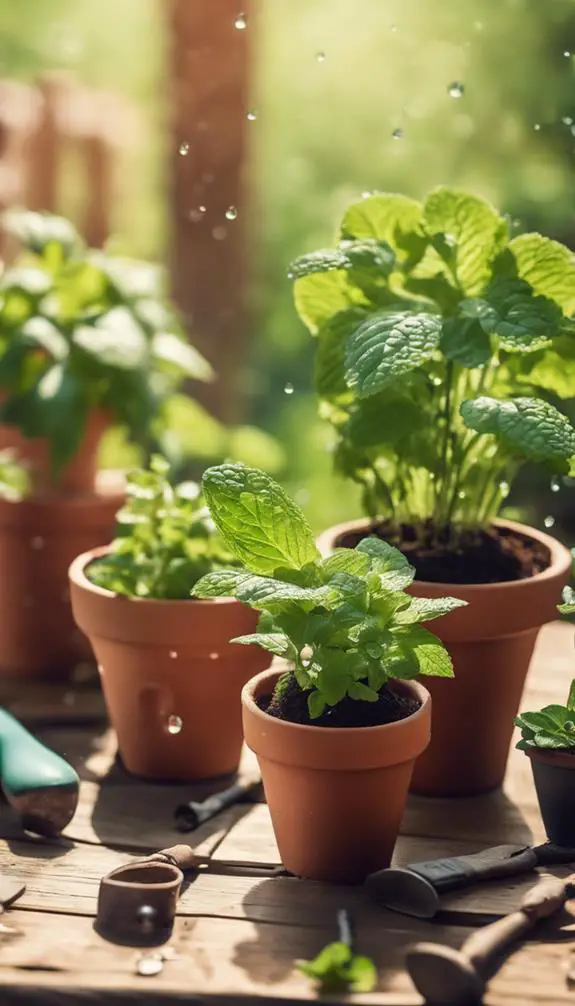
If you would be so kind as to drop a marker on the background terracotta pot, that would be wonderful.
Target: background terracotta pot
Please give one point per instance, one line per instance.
(491, 642)
(77, 477)
(336, 796)
(38, 540)
(171, 678)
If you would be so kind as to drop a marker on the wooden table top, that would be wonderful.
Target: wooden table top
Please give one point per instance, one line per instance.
(241, 925)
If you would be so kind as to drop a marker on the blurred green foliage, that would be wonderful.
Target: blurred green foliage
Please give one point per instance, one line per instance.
(334, 80)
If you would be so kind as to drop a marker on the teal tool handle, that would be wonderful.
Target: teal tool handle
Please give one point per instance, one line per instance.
(25, 764)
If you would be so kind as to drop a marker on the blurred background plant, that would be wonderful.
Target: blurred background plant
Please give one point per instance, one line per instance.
(346, 97)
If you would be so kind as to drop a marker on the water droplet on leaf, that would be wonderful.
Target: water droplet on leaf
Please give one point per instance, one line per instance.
(504, 488)
(567, 54)
(567, 120)
(252, 115)
(288, 389)
(241, 22)
(320, 57)
(461, 494)
(174, 724)
(184, 149)
(231, 213)
(456, 90)
(537, 127)
(436, 381)
(555, 485)
(549, 521)
(397, 134)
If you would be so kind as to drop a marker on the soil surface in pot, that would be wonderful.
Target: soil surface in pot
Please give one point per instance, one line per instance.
(489, 555)
(289, 703)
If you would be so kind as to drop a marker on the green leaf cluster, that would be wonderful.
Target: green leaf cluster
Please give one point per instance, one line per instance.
(14, 478)
(444, 347)
(345, 622)
(165, 539)
(338, 969)
(83, 330)
(552, 727)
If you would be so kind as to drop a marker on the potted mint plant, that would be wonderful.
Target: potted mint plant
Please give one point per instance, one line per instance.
(548, 739)
(337, 732)
(442, 348)
(86, 342)
(170, 677)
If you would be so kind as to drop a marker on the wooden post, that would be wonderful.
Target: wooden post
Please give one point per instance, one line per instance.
(209, 70)
(98, 168)
(42, 165)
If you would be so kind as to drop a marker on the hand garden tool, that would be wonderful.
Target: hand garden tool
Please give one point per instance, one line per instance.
(40, 785)
(137, 902)
(190, 815)
(451, 977)
(416, 889)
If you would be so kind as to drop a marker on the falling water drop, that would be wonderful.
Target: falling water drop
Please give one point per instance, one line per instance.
(320, 57)
(252, 115)
(288, 389)
(436, 381)
(549, 521)
(398, 134)
(174, 724)
(184, 149)
(555, 485)
(504, 488)
(567, 54)
(461, 494)
(456, 90)
(537, 127)
(231, 213)
(241, 22)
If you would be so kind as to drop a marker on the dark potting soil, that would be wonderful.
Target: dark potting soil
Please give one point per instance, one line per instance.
(490, 555)
(288, 702)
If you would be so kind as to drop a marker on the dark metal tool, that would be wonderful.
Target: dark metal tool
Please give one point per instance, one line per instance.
(458, 977)
(190, 815)
(137, 902)
(416, 889)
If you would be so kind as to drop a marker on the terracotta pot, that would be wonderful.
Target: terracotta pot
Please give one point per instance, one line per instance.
(336, 795)
(491, 642)
(77, 477)
(554, 777)
(171, 678)
(39, 537)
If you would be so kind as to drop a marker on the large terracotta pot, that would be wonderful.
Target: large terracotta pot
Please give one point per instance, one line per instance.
(77, 477)
(491, 642)
(336, 795)
(39, 537)
(171, 678)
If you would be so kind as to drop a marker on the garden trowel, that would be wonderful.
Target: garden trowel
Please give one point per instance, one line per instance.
(37, 783)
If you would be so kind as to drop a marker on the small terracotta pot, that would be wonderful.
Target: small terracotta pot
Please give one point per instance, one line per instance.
(491, 642)
(554, 777)
(171, 678)
(336, 795)
(39, 537)
(77, 477)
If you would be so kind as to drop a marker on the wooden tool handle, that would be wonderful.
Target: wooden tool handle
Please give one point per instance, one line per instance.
(182, 856)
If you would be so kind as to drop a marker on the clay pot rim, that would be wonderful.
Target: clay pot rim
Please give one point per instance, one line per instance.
(558, 757)
(561, 558)
(114, 879)
(248, 699)
(77, 576)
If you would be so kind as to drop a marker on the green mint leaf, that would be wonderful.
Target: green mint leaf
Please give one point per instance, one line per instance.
(361, 973)
(116, 340)
(330, 380)
(221, 583)
(423, 609)
(322, 261)
(363, 693)
(523, 320)
(273, 642)
(568, 605)
(262, 592)
(394, 571)
(387, 345)
(551, 369)
(464, 341)
(177, 352)
(539, 721)
(384, 418)
(36, 231)
(548, 266)
(315, 706)
(431, 656)
(321, 295)
(257, 520)
(372, 257)
(345, 560)
(27, 280)
(475, 230)
(40, 332)
(551, 740)
(388, 217)
(529, 426)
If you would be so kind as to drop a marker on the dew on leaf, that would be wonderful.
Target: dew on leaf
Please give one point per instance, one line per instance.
(320, 57)
(184, 149)
(456, 90)
(241, 22)
(504, 488)
(555, 484)
(537, 127)
(398, 134)
(461, 494)
(567, 54)
(174, 724)
(549, 521)
(367, 194)
(252, 115)
(231, 213)
(567, 120)
(288, 389)
(436, 381)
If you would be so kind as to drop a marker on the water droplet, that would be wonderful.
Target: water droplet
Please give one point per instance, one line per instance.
(537, 127)
(555, 484)
(290, 274)
(173, 654)
(456, 90)
(461, 494)
(214, 656)
(174, 724)
(197, 214)
(450, 240)
(320, 57)
(549, 521)
(504, 488)
(288, 389)
(220, 233)
(252, 115)
(37, 542)
(184, 149)
(231, 213)
(567, 54)
(567, 120)
(241, 22)
(398, 134)
(149, 965)
(436, 381)
(367, 194)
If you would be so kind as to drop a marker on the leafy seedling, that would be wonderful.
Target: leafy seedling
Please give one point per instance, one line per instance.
(442, 346)
(345, 623)
(165, 539)
(337, 968)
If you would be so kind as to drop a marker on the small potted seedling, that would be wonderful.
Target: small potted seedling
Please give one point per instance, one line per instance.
(171, 678)
(86, 343)
(443, 345)
(337, 731)
(548, 738)
(338, 968)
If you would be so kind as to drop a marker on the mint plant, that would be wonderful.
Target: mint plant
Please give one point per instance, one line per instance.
(165, 539)
(338, 968)
(344, 623)
(82, 330)
(442, 348)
